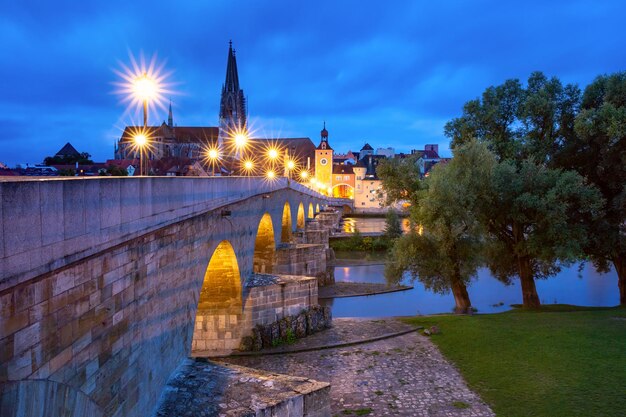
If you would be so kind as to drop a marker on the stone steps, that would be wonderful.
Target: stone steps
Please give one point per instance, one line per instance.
(201, 387)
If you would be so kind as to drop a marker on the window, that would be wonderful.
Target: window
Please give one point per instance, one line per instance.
(346, 177)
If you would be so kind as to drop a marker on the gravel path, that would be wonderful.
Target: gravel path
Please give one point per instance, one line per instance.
(399, 376)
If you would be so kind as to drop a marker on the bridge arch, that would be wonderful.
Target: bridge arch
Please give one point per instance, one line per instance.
(343, 190)
(220, 309)
(286, 228)
(300, 218)
(317, 208)
(311, 213)
(264, 246)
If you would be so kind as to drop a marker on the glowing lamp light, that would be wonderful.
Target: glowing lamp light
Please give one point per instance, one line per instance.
(304, 175)
(213, 154)
(145, 88)
(291, 164)
(248, 165)
(141, 140)
(270, 175)
(330, 190)
(272, 153)
(240, 140)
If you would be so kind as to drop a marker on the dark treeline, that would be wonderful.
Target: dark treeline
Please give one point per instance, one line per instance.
(537, 182)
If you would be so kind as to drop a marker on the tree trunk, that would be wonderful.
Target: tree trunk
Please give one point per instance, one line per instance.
(620, 266)
(529, 291)
(461, 297)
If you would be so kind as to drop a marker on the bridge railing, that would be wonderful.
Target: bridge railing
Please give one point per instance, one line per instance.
(49, 223)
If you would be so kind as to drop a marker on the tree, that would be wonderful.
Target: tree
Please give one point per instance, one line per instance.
(116, 171)
(518, 123)
(400, 178)
(447, 254)
(533, 215)
(598, 152)
(82, 159)
(393, 228)
(533, 218)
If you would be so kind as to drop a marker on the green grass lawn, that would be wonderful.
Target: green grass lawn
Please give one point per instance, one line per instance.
(561, 361)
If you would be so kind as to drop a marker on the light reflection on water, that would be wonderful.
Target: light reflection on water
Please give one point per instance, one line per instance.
(369, 224)
(591, 288)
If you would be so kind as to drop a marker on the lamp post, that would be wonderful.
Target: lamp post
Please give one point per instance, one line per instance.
(144, 89)
(213, 155)
(140, 142)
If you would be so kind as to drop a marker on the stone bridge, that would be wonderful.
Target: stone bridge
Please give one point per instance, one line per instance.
(107, 284)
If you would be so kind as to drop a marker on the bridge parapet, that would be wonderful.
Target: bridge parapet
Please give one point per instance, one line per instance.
(50, 223)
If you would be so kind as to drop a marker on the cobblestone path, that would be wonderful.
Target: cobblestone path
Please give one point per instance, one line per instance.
(401, 376)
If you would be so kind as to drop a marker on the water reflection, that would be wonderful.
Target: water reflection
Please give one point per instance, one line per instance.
(488, 295)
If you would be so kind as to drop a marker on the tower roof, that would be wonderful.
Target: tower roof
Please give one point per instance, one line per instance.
(324, 139)
(232, 77)
(233, 109)
(170, 117)
(67, 150)
(324, 132)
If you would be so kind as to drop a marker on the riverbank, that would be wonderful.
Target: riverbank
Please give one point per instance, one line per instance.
(561, 361)
(356, 289)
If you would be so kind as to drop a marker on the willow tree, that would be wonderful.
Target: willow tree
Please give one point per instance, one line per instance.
(533, 218)
(534, 215)
(447, 252)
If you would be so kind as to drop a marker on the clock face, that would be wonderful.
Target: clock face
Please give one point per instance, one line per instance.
(323, 161)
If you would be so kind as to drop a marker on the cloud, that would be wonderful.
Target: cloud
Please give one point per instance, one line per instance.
(391, 74)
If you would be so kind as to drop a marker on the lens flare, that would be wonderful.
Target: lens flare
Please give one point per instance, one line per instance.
(213, 154)
(270, 175)
(141, 140)
(143, 82)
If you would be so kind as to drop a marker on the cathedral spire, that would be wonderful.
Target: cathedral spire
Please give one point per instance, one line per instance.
(170, 117)
(233, 109)
(232, 77)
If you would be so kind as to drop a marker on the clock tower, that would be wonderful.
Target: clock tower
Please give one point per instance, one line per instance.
(324, 160)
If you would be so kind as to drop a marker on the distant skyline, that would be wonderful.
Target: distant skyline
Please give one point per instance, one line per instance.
(387, 73)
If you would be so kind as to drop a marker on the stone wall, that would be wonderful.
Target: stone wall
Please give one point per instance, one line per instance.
(300, 259)
(329, 220)
(289, 295)
(288, 329)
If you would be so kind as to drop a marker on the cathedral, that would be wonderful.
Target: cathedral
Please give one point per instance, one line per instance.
(179, 146)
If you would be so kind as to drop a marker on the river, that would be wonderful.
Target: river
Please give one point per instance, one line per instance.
(488, 295)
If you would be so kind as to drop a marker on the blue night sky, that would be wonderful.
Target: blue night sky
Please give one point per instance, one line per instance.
(390, 73)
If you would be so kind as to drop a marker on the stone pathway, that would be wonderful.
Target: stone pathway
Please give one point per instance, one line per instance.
(354, 289)
(399, 376)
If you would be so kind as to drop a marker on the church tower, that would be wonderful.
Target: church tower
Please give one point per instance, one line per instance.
(233, 110)
(324, 160)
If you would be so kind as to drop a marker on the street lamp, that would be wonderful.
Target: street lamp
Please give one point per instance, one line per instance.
(248, 166)
(272, 153)
(145, 89)
(140, 142)
(213, 156)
